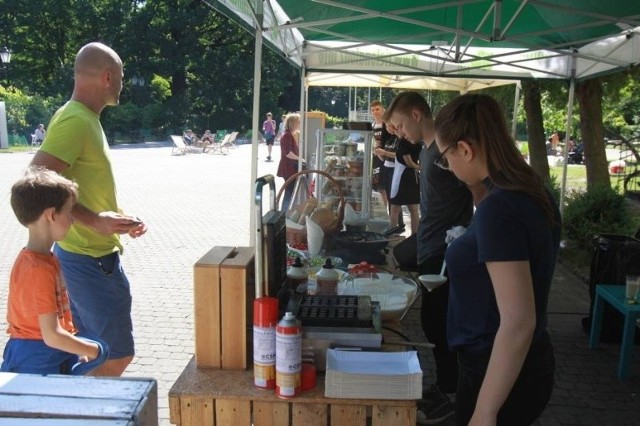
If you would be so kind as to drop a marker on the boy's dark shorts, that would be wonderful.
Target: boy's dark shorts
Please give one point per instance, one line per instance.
(269, 139)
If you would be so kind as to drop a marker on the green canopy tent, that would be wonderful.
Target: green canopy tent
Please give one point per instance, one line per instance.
(464, 39)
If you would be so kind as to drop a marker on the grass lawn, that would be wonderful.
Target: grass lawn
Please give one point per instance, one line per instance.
(17, 148)
(576, 176)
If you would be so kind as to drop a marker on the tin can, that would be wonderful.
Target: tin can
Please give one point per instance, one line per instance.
(288, 357)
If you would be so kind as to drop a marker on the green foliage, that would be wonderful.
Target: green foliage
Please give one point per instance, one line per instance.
(123, 118)
(596, 211)
(622, 110)
(17, 106)
(333, 122)
(196, 63)
(554, 187)
(17, 140)
(160, 88)
(25, 112)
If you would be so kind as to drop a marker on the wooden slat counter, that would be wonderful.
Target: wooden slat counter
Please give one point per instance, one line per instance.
(30, 399)
(203, 397)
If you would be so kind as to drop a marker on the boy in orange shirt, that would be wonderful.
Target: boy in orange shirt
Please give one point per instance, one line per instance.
(43, 339)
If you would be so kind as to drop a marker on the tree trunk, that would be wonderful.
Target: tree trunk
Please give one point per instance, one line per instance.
(589, 94)
(535, 128)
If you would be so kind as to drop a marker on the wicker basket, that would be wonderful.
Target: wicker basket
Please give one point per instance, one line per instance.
(300, 211)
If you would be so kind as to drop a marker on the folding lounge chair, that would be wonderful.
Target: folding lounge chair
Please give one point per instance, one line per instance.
(223, 145)
(219, 145)
(179, 147)
(231, 142)
(35, 145)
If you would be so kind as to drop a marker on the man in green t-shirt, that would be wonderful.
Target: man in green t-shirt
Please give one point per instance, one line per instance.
(76, 147)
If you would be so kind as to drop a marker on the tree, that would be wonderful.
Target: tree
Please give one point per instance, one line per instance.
(589, 94)
(535, 129)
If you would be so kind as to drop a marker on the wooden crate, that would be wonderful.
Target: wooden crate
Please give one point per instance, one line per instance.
(202, 397)
(81, 400)
(224, 289)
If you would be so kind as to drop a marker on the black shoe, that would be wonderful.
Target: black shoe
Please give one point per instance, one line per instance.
(434, 407)
(268, 159)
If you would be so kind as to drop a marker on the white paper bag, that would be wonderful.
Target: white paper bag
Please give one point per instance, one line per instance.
(315, 236)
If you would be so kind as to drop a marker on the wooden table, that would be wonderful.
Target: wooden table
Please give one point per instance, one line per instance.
(27, 399)
(203, 397)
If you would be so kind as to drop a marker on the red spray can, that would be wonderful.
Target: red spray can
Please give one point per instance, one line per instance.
(288, 356)
(265, 318)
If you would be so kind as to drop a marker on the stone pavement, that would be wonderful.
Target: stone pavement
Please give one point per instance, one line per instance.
(197, 201)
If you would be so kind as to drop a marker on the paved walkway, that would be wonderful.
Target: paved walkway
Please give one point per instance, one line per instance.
(198, 201)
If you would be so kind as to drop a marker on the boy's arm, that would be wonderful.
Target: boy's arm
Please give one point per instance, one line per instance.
(57, 337)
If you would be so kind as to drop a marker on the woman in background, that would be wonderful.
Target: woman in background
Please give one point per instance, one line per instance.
(289, 156)
(38, 134)
(500, 270)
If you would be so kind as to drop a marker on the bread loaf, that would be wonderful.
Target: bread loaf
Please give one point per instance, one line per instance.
(325, 218)
(309, 207)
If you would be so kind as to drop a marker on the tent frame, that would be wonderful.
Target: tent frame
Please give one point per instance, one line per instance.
(318, 46)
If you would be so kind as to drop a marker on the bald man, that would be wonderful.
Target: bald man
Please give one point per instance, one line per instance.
(76, 147)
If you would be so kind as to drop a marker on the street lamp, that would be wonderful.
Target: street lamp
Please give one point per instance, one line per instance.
(137, 81)
(5, 56)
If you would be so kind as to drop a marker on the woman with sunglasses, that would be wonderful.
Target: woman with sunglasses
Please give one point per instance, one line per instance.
(445, 202)
(500, 270)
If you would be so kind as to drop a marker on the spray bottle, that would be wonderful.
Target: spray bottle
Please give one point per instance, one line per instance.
(288, 357)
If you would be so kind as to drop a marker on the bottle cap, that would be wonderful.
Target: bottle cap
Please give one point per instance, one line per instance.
(328, 264)
(297, 262)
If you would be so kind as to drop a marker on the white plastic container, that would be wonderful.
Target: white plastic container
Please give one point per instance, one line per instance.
(327, 279)
(296, 274)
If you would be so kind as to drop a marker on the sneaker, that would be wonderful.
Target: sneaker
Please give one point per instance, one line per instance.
(434, 407)
(268, 158)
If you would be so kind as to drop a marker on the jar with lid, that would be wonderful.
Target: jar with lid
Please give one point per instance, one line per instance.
(327, 279)
(296, 274)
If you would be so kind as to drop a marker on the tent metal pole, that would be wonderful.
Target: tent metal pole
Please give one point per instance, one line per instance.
(257, 81)
(303, 118)
(355, 105)
(516, 105)
(567, 134)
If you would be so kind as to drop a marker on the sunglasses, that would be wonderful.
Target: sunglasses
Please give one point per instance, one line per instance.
(441, 161)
